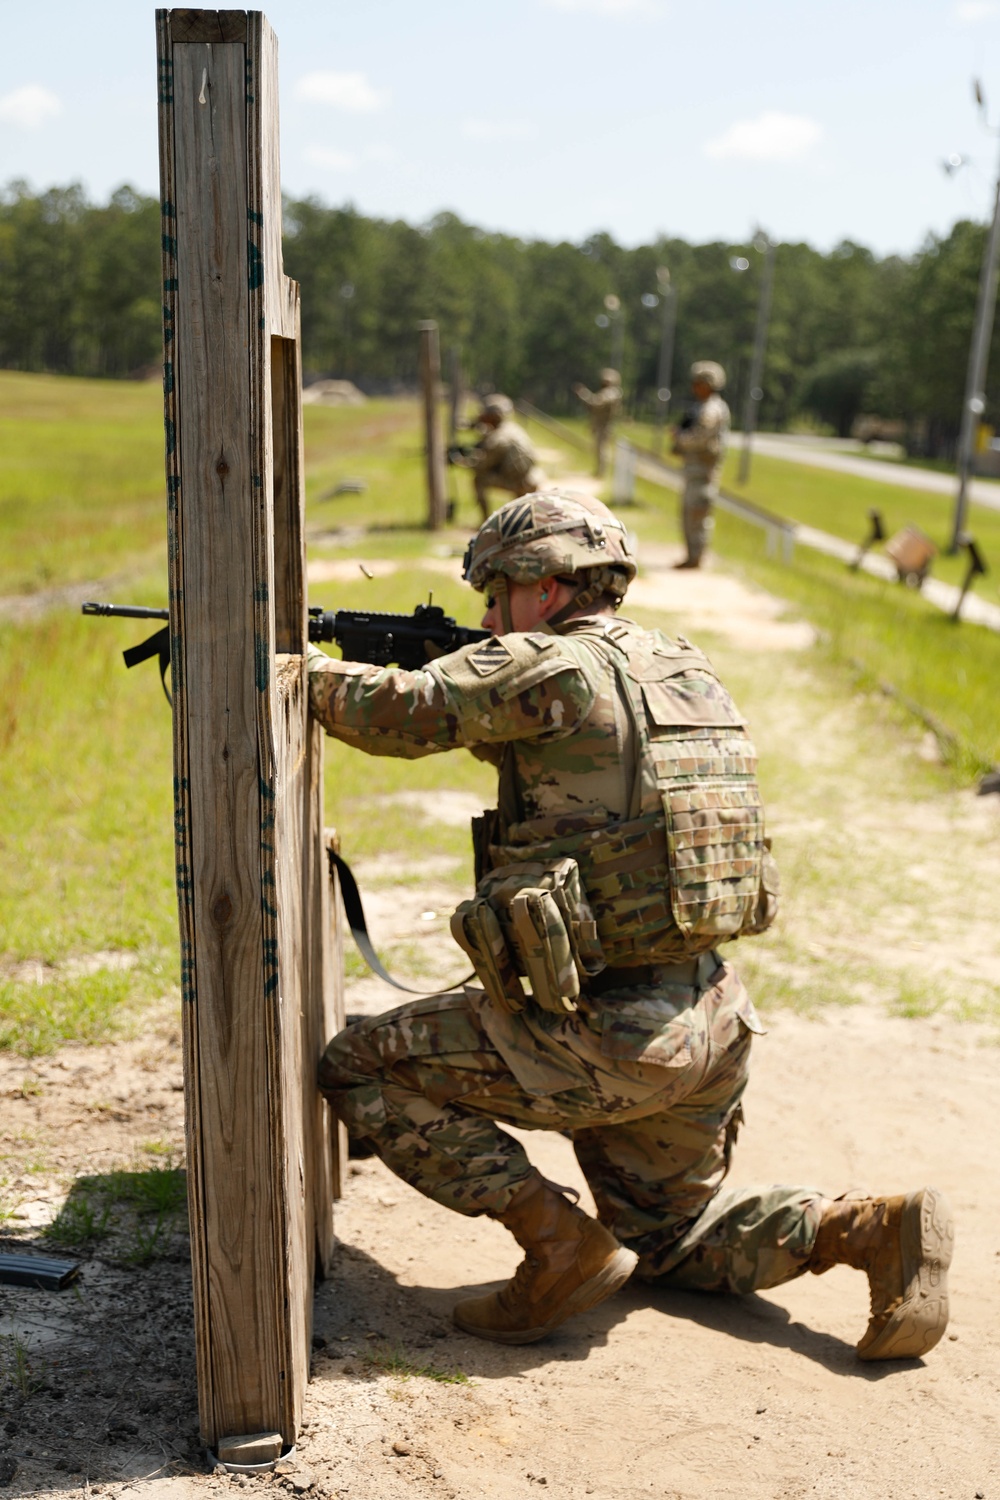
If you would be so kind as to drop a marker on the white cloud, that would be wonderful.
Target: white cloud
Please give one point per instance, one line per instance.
(348, 91)
(29, 107)
(333, 161)
(499, 130)
(772, 136)
(972, 11)
(609, 7)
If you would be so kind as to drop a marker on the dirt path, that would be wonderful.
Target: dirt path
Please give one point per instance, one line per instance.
(872, 1075)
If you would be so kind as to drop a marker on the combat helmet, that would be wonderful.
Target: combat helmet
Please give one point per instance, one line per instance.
(610, 377)
(496, 406)
(555, 534)
(712, 374)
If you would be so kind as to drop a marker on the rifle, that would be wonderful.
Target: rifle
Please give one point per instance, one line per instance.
(457, 451)
(408, 641)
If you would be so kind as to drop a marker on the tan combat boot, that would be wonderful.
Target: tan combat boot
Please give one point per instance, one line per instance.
(572, 1263)
(904, 1245)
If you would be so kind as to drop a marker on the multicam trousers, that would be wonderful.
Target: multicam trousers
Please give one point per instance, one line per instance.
(647, 1085)
(697, 502)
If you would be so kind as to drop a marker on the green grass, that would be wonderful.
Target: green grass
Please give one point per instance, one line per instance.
(81, 478)
(879, 631)
(87, 866)
(86, 847)
(887, 634)
(392, 1359)
(22, 1370)
(839, 503)
(140, 1212)
(36, 1018)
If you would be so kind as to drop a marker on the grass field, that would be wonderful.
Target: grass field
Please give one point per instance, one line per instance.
(839, 503)
(87, 908)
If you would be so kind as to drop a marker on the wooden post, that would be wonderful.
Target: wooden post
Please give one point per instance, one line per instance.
(455, 392)
(260, 993)
(430, 381)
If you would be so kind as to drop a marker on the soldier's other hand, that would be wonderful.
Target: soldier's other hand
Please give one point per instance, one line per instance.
(316, 659)
(432, 650)
(578, 388)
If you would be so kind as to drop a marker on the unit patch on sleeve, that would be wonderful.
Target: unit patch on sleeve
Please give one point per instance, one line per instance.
(490, 657)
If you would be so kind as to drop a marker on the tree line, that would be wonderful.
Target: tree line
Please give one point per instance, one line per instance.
(850, 332)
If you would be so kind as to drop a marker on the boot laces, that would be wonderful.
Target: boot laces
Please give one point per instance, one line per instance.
(519, 1287)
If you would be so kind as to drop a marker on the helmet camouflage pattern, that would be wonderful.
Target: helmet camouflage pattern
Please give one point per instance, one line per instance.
(496, 406)
(712, 374)
(550, 535)
(610, 377)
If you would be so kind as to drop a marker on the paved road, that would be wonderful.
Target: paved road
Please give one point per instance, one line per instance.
(821, 456)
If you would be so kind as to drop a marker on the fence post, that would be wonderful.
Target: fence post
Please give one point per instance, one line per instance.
(259, 975)
(430, 383)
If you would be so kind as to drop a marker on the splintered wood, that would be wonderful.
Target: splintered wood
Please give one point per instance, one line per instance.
(259, 962)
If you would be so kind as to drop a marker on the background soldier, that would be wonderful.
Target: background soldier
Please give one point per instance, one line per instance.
(701, 441)
(503, 459)
(628, 843)
(603, 407)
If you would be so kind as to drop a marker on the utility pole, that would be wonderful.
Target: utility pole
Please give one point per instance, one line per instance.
(979, 353)
(665, 369)
(755, 393)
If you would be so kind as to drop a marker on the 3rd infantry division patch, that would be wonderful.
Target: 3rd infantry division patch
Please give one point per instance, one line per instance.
(490, 656)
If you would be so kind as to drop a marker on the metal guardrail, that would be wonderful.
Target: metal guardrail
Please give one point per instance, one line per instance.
(779, 532)
(553, 424)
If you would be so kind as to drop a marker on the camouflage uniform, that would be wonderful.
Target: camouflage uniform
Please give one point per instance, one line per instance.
(504, 459)
(702, 445)
(603, 407)
(647, 1074)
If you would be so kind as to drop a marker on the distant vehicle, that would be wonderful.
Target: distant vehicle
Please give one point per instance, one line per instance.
(868, 427)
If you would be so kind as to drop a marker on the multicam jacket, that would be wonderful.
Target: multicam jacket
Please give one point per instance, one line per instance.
(703, 442)
(507, 454)
(617, 747)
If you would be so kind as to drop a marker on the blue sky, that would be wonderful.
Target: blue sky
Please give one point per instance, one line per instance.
(819, 119)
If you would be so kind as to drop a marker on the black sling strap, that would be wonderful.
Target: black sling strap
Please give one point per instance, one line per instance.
(355, 913)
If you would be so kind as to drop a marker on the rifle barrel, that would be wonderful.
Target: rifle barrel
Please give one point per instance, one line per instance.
(125, 611)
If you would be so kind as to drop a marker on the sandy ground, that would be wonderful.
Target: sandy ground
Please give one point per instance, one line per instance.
(651, 1394)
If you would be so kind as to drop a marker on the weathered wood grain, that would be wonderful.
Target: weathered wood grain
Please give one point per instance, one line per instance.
(207, 25)
(258, 958)
(430, 383)
(288, 490)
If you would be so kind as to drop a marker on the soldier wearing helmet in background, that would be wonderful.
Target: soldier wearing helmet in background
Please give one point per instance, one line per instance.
(627, 845)
(701, 442)
(503, 459)
(603, 407)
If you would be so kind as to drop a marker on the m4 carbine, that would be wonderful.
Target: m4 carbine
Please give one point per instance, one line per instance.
(408, 641)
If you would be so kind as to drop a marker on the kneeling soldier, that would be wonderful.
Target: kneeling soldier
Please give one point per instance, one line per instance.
(627, 845)
(503, 459)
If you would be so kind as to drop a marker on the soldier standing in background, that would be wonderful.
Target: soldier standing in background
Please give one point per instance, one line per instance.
(701, 441)
(503, 459)
(627, 845)
(603, 407)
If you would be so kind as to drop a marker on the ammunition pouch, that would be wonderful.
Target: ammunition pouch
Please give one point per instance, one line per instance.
(530, 919)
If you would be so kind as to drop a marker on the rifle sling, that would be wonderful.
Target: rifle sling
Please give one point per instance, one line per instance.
(155, 645)
(354, 911)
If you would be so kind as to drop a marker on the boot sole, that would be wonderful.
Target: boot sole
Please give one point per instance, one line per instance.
(927, 1235)
(612, 1275)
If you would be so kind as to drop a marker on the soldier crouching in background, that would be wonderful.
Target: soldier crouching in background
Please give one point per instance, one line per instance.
(503, 459)
(700, 440)
(627, 845)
